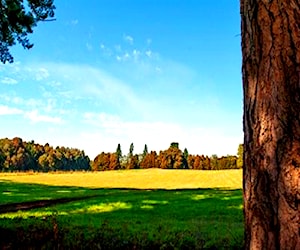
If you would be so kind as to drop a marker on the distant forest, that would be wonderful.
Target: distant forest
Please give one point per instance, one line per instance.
(18, 155)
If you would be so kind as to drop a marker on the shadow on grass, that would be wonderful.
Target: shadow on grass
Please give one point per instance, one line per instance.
(122, 218)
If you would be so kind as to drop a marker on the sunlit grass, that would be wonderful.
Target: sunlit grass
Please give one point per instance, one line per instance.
(143, 179)
(158, 207)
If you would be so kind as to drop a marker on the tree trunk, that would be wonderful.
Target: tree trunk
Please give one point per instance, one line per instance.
(271, 80)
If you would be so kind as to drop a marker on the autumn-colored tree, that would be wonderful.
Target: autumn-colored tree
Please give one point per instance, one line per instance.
(197, 162)
(149, 161)
(190, 161)
(271, 77)
(101, 162)
(171, 158)
(21, 159)
(114, 163)
(205, 163)
(133, 162)
(227, 162)
(214, 162)
(240, 156)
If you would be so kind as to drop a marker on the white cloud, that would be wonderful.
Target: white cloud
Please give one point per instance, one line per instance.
(25, 103)
(90, 83)
(109, 130)
(139, 102)
(148, 53)
(132, 55)
(128, 39)
(136, 55)
(107, 52)
(5, 110)
(35, 117)
(9, 81)
(124, 57)
(41, 74)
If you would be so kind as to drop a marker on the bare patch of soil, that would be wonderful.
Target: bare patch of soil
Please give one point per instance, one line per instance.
(21, 206)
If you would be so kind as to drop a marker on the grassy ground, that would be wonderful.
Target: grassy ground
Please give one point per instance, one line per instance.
(139, 209)
(143, 179)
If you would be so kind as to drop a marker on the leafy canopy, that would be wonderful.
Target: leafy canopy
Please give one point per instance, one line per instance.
(17, 18)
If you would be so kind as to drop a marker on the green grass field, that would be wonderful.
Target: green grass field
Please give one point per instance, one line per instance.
(132, 209)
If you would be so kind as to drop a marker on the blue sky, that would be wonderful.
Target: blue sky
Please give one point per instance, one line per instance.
(143, 71)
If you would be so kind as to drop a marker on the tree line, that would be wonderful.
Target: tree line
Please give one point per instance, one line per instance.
(19, 155)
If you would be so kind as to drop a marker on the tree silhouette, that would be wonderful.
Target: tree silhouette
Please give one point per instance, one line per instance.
(17, 19)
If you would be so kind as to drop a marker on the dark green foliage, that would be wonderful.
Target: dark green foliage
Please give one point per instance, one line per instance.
(17, 21)
(145, 151)
(185, 153)
(185, 158)
(119, 152)
(131, 148)
(16, 155)
(175, 145)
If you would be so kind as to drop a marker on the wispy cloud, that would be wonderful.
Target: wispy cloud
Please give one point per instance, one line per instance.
(128, 39)
(82, 81)
(41, 74)
(149, 53)
(112, 129)
(106, 51)
(8, 81)
(132, 54)
(138, 102)
(35, 117)
(5, 110)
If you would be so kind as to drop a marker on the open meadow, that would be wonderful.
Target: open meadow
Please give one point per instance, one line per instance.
(130, 209)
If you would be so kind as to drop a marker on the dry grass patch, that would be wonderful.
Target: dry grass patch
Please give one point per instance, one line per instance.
(141, 179)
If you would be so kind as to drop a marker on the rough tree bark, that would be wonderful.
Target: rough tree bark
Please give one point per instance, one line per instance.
(271, 81)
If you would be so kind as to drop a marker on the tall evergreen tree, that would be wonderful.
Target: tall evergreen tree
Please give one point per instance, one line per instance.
(131, 148)
(185, 158)
(119, 152)
(145, 152)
